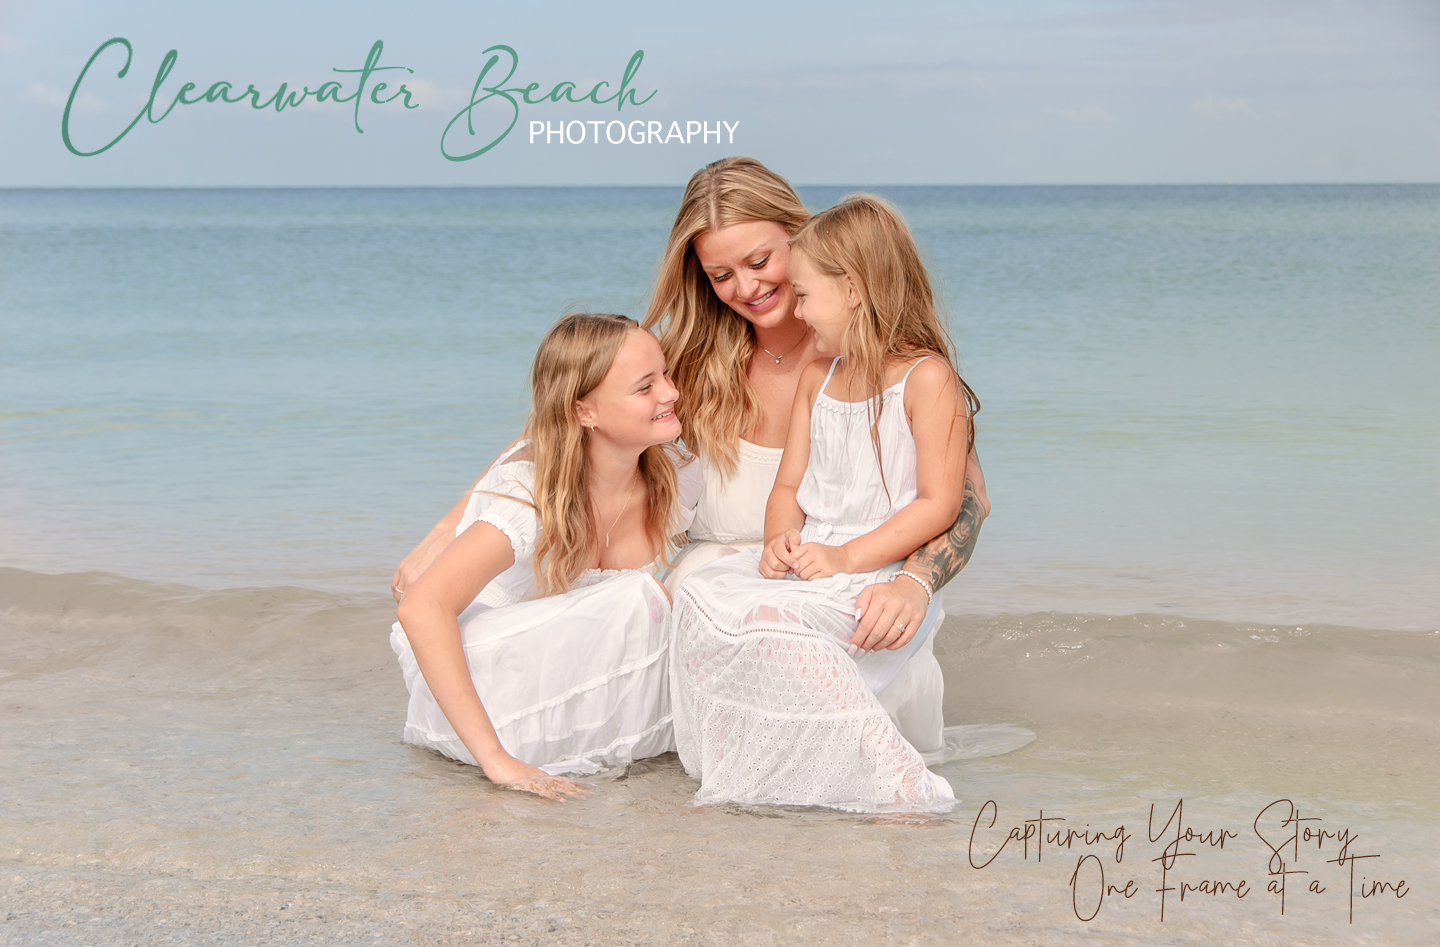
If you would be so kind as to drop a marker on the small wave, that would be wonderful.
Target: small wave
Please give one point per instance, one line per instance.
(112, 623)
(1007, 661)
(83, 596)
(979, 741)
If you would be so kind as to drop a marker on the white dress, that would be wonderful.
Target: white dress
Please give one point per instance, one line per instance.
(573, 682)
(731, 516)
(769, 706)
(731, 513)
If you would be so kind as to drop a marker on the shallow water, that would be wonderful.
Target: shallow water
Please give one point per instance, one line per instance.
(189, 766)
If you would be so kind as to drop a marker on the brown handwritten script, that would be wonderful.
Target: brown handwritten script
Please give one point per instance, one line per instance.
(1280, 827)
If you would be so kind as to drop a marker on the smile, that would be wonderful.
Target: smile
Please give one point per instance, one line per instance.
(758, 303)
(664, 415)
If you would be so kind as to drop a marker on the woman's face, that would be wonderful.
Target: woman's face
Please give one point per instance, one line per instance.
(634, 404)
(825, 303)
(746, 264)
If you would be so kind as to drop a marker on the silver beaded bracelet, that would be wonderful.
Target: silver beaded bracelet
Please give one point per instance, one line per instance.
(925, 586)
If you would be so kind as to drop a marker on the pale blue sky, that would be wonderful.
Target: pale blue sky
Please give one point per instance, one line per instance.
(845, 93)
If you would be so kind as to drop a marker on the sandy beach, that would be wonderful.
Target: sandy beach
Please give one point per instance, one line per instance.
(198, 767)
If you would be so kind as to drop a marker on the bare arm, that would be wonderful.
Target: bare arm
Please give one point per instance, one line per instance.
(941, 559)
(941, 431)
(441, 535)
(430, 616)
(903, 601)
(783, 516)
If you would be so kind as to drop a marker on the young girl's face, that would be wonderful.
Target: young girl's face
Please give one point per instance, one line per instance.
(634, 405)
(825, 303)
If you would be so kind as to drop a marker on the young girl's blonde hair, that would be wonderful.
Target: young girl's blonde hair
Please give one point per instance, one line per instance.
(708, 345)
(573, 359)
(866, 238)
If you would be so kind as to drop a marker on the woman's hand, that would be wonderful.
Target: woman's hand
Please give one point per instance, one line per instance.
(419, 559)
(509, 773)
(816, 561)
(890, 613)
(779, 555)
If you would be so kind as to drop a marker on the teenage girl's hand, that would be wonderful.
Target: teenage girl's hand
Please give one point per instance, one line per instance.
(890, 613)
(510, 773)
(815, 561)
(779, 556)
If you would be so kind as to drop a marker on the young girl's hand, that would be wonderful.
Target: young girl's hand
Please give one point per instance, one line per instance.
(779, 555)
(814, 561)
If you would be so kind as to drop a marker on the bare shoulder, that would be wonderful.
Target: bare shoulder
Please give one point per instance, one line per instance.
(816, 369)
(931, 382)
(929, 372)
(812, 377)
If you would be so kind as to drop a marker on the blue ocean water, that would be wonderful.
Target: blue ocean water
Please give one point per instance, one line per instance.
(1217, 402)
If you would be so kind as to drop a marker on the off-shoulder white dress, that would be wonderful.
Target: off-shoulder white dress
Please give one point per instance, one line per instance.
(769, 706)
(573, 682)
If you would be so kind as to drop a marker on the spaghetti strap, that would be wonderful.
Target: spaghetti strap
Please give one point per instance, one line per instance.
(912, 368)
(826, 383)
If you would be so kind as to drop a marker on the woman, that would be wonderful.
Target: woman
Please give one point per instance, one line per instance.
(535, 644)
(768, 706)
(725, 314)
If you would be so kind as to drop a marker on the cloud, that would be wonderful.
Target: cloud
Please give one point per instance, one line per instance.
(1211, 107)
(48, 96)
(1090, 114)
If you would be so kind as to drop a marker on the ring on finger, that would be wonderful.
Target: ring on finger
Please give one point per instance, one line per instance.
(900, 625)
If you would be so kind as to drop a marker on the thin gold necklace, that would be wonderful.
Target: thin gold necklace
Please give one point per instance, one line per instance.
(623, 507)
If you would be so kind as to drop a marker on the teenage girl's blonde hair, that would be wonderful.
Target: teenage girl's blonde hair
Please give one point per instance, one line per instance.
(865, 237)
(707, 344)
(573, 359)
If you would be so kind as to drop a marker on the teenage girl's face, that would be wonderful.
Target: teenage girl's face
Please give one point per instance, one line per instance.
(746, 263)
(825, 303)
(634, 404)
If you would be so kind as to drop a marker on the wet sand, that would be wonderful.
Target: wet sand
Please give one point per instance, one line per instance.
(198, 767)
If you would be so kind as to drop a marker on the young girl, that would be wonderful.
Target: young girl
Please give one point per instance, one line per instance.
(536, 643)
(774, 686)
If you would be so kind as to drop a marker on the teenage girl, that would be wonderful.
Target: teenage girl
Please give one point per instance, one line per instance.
(536, 643)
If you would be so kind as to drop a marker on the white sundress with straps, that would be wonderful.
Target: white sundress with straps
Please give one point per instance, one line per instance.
(769, 705)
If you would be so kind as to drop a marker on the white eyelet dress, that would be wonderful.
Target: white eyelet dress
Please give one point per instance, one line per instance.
(769, 706)
(572, 682)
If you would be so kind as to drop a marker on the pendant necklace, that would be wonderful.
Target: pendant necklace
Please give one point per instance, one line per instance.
(777, 358)
(622, 509)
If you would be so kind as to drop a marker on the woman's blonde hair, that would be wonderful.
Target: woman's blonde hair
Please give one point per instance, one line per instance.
(707, 344)
(573, 359)
(865, 238)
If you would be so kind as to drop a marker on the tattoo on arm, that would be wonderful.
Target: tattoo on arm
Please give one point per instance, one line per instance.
(942, 558)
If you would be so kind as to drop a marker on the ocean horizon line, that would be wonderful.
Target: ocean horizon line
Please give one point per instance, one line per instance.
(679, 186)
